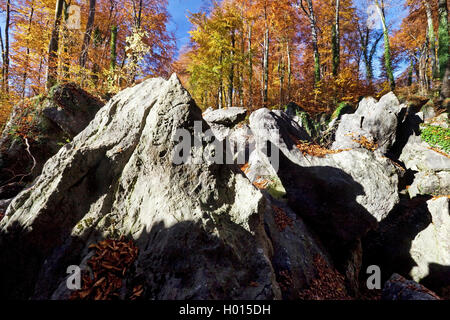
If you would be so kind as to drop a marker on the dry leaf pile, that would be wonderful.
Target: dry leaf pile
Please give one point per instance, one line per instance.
(328, 285)
(110, 265)
(281, 219)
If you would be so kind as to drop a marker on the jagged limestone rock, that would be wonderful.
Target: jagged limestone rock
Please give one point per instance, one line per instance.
(376, 121)
(199, 227)
(431, 246)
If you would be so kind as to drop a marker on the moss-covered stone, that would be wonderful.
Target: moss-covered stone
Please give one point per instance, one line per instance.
(343, 108)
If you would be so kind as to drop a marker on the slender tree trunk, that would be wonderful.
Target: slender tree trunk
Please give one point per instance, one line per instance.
(336, 41)
(5, 68)
(443, 50)
(281, 75)
(25, 71)
(387, 46)
(113, 48)
(52, 69)
(431, 39)
(220, 90)
(241, 72)
(231, 74)
(67, 42)
(87, 34)
(410, 73)
(250, 66)
(315, 42)
(423, 68)
(266, 66)
(289, 67)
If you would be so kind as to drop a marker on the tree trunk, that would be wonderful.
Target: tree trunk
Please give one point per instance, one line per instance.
(113, 48)
(5, 67)
(410, 72)
(266, 67)
(387, 47)
(250, 67)
(25, 71)
(315, 41)
(220, 90)
(336, 41)
(52, 69)
(87, 34)
(443, 50)
(231, 74)
(241, 72)
(289, 67)
(423, 68)
(431, 38)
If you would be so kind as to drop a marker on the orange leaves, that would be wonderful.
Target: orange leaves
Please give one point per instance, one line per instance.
(245, 168)
(110, 265)
(365, 143)
(281, 219)
(261, 183)
(315, 150)
(312, 149)
(329, 284)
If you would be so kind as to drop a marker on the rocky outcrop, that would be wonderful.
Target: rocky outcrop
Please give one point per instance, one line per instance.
(432, 167)
(413, 241)
(374, 122)
(398, 288)
(227, 117)
(222, 121)
(371, 179)
(296, 249)
(198, 227)
(39, 128)
(430, 249)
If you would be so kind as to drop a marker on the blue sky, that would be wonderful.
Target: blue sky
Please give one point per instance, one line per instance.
(179, 24)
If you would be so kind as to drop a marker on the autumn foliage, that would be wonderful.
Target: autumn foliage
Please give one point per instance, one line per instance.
(261, 53)
(110, 265)
(128, 40)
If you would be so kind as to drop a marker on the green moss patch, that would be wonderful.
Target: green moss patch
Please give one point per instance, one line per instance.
(437, 137)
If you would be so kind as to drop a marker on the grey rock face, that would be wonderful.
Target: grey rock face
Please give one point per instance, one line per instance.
(430, 183)
(199, 227)
(398, 288)
(295, 249)
(222, 121)
(70, 108)
(376, 121)
(431, 247)
(370, 179)
(418, 156)
(433, 177)
(57, 118)
(226, 117)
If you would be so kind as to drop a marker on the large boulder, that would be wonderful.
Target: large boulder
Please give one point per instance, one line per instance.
(430, 249)
(296, 251)
(432, 167)
(417, 155)
(222, 121)
(226, 117)
(37, 129)
(374, 122)
(198, 226)
(371, 179)
(413, 241)
(399, 288)
(340, 194)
